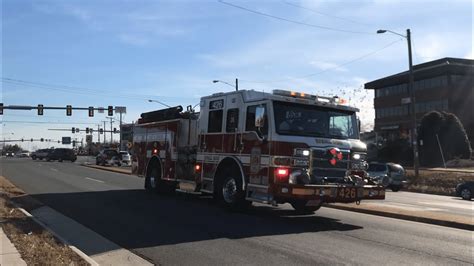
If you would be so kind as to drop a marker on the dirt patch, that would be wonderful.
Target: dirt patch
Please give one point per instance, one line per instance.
(36, 245)
(436, 182)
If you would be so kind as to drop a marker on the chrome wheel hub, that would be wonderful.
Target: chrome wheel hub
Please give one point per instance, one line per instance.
(465, 193)
(152, 182)
(229, 191)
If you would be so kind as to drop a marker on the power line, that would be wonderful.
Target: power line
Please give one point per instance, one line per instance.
(44, 122)
(324, 14)
(328, 69)
(293, 21)
(76, 90)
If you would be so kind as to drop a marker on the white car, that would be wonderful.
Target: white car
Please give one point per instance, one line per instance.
(125, 158)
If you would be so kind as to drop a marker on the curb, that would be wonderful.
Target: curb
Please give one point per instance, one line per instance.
(107, 169)
(427, 220)
(64, 241)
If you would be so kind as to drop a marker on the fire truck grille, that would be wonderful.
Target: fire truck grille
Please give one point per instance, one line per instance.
(323, 171)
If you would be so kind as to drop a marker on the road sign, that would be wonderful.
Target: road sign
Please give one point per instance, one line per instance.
(100, 110)
(121, 109)
(66, 140)
(89, 139)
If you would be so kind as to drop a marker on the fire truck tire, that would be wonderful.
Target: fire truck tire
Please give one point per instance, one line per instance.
(230, 193)
(154, 183)
(301, 208)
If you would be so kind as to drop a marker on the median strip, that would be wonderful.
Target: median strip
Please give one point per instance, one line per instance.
(430, 217)
(110, 169)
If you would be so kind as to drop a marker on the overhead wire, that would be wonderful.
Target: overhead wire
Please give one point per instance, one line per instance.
(324, 14)
(327, 69)
(293, 21)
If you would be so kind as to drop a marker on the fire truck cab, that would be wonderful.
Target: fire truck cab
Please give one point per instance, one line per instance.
(245, 146)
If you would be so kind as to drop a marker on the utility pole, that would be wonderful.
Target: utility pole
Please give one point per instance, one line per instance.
(111, 129)
(98, 133)
(104, 131)
(120, 136)
(236, 84)
(416, 160)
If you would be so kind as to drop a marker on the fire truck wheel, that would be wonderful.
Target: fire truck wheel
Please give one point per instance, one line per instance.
(151, 180)
(301, 208)
(230, 193)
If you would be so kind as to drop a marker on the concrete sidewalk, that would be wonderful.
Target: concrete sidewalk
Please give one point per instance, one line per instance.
(8, 253)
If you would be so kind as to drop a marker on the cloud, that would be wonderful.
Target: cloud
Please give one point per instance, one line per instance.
(328, 65)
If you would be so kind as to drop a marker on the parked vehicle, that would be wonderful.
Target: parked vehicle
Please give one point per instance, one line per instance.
(22, 155)
(108, 157)
(465, 190)
(40, 154)
(248, 146)
(125, 157)
(61, 154)
(389, 175)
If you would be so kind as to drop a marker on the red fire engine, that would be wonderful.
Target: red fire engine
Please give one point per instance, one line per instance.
(246, 146)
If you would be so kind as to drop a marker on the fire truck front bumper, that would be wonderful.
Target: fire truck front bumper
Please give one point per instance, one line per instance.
(333, 193)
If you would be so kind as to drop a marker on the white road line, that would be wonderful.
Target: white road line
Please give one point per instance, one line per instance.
(40, 164)
(54, 169)
(460, 205)
(96, 180)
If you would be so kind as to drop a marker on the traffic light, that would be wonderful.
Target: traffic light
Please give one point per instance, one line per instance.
(73, 130)
(74, 143)
(68, 110)
(23, 140)
(31, 140)
(1, 108)
(77, 130)
(110, 110)
(87, 130)
(115, 130)
(42, 139)
(91, 130)
(101, 131)
(40, 109)
(91, 111)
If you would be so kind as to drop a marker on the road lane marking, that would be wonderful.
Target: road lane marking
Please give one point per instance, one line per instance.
(96, 180)
(54, 169)
(40, 164)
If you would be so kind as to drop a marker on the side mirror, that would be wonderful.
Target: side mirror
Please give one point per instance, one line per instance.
(260, 117)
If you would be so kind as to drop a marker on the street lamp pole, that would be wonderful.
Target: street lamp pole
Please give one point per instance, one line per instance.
(411, 89)
(236, 83)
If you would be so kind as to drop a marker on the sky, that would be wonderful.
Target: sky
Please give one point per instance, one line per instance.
(122, 53)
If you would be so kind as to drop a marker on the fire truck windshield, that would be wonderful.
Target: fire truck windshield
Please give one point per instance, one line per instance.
(315, 121)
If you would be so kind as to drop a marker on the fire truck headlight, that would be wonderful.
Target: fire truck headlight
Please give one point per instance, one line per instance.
(299, 177)
(301, 152)
(356, 156)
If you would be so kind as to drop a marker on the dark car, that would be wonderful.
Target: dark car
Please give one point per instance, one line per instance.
(465, 190)
(390, 175)
(62, 155)
(40, 154)
(108, 156)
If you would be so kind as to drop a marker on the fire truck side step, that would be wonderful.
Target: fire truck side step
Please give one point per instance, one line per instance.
(188, 192)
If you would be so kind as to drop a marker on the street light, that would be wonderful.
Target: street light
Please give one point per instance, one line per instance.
(155, 101)
(411, 89)
(236, 83)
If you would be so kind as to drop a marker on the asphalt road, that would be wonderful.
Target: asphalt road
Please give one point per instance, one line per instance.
(193, 230)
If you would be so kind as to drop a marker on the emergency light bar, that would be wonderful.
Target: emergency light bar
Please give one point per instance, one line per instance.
(333, 100)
